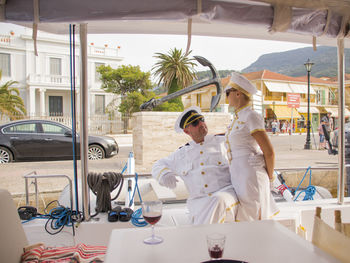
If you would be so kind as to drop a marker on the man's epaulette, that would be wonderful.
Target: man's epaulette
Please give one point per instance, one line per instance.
(220, 134)
(187, 144)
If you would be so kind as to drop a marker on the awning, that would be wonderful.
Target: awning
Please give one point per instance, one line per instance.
(334, 112)
(301, 88)
(278, 87)
(304, 110)
(283, 112)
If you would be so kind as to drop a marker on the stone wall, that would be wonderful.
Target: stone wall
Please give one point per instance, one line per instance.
(154, 136)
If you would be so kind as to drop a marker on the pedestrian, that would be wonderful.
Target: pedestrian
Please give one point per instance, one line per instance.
(278, 129)
(245, 137)
(328, 121)
(274, 126)
(322, 144)
(203, 166)
(284, 127)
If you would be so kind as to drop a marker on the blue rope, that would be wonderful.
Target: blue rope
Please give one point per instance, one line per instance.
(136, 217)
(310, 190)
(59, 217)
(125, 166)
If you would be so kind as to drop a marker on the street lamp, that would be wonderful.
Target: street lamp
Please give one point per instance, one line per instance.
(308, 65)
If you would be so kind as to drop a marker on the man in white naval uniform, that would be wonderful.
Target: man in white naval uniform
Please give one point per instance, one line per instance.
(203, 166)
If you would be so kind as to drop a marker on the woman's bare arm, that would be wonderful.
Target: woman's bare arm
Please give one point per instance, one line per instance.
(264, 142)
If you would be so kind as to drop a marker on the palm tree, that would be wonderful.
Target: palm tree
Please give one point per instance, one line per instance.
(176, 70)
(11, 104)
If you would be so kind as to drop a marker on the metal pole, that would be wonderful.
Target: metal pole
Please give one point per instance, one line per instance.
(307, 145)
(341, 109)
(84, 147)
(291, 130)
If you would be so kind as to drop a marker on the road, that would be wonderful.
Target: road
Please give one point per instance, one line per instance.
(289, 154)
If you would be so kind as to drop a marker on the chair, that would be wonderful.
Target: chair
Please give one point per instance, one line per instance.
(330, 240)
(14, 241)
(13, 238)
(339, 226)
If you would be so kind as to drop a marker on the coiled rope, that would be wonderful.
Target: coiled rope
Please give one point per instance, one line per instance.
(102, 185)
(310, 190)
(136, 217)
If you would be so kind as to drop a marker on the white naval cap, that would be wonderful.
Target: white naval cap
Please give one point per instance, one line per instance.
(242, 82)
(186, 117)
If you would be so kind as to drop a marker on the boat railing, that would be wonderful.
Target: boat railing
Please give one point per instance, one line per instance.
(35, 176)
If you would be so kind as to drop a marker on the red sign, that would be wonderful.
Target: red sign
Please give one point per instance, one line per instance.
(293, 100)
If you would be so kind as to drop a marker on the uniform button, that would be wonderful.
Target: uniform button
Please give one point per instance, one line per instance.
(202, 163)
(237, 128)
(201, 143)
(209, 194)
(219, 162)
(205, 185)
(183, 172)
(203, 172)
(201, 152)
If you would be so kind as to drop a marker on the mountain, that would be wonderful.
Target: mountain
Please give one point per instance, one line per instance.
(291, 63)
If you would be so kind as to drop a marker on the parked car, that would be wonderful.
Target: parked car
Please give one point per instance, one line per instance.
(38, 140)
(347, 139)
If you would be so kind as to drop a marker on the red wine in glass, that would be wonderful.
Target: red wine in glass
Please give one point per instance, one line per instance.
(152, 212)
(216, 252)
(152, 219)
(216, 244)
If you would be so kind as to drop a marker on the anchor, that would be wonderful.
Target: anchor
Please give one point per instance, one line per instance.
(149, 105)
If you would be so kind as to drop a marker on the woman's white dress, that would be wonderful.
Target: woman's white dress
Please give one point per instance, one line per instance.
(251, 184)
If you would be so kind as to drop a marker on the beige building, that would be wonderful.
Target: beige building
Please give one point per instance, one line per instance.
(274, 89)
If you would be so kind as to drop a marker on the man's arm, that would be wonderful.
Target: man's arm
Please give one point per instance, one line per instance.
(164, 171)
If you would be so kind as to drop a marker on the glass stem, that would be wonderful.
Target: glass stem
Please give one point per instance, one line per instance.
(152, 231)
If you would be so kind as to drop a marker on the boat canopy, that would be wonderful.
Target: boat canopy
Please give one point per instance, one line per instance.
(280, 20)
(323, 22)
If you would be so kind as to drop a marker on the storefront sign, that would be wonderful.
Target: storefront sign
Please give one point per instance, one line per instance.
(293, 100)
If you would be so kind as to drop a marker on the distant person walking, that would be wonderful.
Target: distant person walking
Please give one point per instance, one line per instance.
(322, 145)
(274, 126)
(328, 121)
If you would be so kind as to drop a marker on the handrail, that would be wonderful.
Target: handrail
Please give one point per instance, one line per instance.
(303, 169)
(34, 175)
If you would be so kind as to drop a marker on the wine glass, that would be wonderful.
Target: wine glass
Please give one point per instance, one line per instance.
(152, 212)
(216, 244)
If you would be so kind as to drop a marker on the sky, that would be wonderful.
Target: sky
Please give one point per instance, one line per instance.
(224, 53)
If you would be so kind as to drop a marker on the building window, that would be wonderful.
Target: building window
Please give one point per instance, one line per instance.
(56, 105)
(5, 64)
(319, 97)
(99, 104)
(55, 66)
(331, 97)
(98, 75)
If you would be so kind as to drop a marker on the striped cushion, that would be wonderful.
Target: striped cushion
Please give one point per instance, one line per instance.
(79, 253)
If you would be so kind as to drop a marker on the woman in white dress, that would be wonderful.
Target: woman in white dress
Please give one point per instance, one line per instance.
(245, 137)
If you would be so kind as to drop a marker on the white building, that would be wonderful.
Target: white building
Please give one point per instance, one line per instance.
(44, 80)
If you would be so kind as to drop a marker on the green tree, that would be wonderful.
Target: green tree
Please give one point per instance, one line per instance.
(132, 102)
(176, 70)
(124, 79)
(11, 104)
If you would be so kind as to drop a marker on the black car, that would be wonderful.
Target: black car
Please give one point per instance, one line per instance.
(347, 139)
(37, 140)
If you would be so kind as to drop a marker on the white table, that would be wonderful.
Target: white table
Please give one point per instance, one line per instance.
(260, 241)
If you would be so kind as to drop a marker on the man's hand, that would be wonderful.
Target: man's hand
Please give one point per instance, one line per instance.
(168, 180)
(257, 160)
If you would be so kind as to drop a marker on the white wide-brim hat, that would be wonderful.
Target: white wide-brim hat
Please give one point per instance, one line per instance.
(246, 86)
(177, 127)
